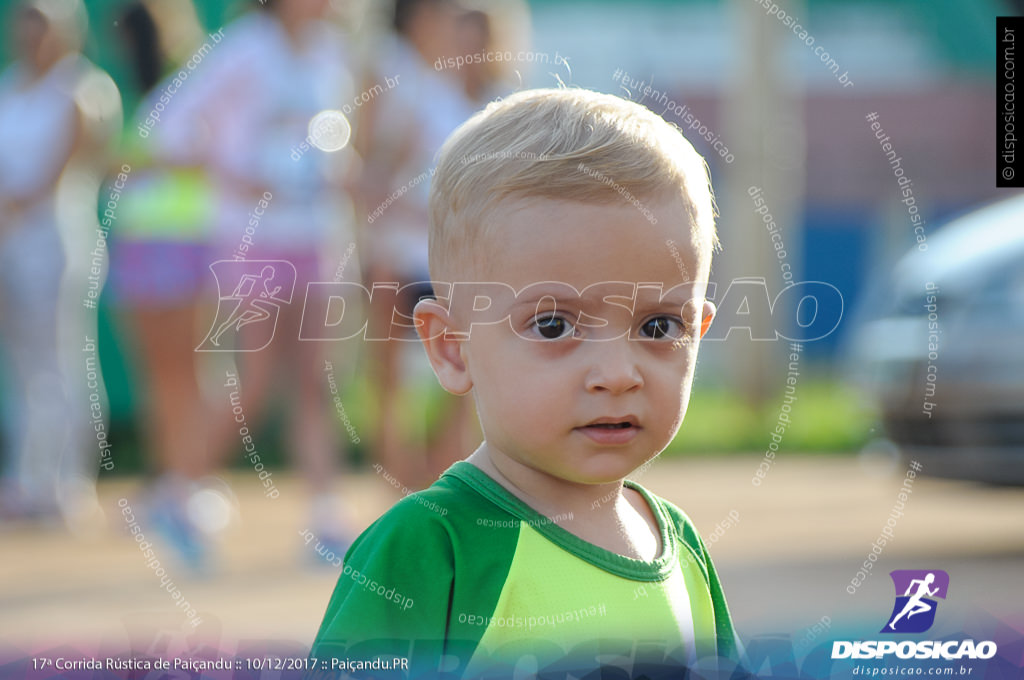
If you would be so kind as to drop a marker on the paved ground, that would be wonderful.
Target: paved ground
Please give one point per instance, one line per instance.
(800, 538)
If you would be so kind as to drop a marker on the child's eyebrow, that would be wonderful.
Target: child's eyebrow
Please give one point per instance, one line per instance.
(678, 308)
(644, 296)
(533, 299)
(535, 292)
(674, 299)
(565, 295)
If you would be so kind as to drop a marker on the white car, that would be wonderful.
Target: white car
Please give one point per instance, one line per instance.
(943, 355)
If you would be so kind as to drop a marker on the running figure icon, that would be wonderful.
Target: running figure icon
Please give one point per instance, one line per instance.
(918, 592)
(252, 302)
(915, 605)
(258, 290)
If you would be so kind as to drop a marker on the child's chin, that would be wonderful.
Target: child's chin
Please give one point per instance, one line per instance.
(607, 473)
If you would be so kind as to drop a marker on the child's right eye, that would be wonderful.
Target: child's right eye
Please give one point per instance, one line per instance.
(553, 327)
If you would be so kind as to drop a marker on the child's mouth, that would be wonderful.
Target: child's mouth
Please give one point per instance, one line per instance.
(614, 422)
(611, 430)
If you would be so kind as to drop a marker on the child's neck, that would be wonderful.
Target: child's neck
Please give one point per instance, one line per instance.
(610, 515)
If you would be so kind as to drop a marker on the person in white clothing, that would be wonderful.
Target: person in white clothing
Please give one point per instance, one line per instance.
(246, 113)
(56, 110)
(398, 134)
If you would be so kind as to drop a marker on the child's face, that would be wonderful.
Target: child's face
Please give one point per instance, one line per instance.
(556, 388)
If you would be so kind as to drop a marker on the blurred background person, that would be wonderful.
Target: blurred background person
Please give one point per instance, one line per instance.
(159, 266)
(475, 36)
(497, 31)
(492, 28)
(248, 108)
(397, 136)
(57, 113)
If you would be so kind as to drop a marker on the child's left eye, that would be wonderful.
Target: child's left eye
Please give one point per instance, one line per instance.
(662, 328)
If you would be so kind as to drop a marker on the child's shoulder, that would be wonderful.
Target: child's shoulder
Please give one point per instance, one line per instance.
(433, 513)
(452, 494)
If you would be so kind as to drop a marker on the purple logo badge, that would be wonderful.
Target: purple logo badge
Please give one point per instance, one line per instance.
(914, 611)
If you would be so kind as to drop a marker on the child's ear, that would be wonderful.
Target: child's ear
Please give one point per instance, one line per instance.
(706, 315)
(443, 345)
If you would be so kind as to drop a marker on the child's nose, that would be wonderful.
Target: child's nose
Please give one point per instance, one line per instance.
(614, 368)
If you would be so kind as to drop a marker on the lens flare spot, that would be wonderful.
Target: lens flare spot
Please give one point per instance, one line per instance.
(329, 130)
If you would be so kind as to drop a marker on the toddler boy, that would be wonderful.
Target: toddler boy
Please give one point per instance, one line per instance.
(571, 236)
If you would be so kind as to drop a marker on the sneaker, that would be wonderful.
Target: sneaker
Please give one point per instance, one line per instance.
(166, 514)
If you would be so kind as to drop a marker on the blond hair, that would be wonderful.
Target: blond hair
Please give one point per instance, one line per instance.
(566, 144)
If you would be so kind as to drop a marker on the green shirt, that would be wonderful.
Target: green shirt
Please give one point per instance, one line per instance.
(465, 579)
